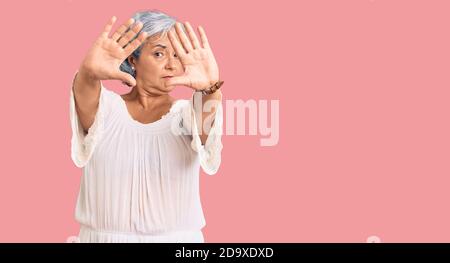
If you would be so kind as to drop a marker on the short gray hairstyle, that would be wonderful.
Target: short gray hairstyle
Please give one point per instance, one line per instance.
(154, 23)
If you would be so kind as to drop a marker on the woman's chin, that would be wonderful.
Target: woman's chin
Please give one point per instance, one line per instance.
(167, 89)
(160, 90)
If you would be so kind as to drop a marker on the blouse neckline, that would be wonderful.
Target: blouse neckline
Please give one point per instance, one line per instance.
(160, 124)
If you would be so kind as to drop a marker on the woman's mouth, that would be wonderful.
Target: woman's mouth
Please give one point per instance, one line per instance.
(167, 77)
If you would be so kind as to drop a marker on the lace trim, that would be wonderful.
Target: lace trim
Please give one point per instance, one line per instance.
(210, 153)
(83, 145)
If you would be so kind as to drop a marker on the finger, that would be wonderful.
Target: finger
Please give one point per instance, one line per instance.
(123, 41)
(121, 30)
(203, 37)
(192, 36)
(176, 45)
(135, 43)
(183, 38)
(125, 77)
(108, 27)
(177, 81)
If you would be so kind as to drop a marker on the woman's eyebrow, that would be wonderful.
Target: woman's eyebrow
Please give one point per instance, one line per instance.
(159, 45)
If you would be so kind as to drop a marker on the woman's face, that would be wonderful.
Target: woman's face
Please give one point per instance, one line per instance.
(156, 63)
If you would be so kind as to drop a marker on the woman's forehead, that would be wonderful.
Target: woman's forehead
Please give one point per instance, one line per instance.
(158, 41)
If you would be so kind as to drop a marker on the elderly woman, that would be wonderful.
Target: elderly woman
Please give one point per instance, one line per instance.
(141, 152)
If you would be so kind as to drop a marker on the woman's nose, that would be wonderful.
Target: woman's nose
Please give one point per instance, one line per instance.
(171, 63)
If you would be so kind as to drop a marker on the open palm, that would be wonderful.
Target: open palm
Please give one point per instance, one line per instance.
(104, 58)
(200, 67)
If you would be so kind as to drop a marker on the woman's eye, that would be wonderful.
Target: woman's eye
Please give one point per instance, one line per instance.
(158, 54)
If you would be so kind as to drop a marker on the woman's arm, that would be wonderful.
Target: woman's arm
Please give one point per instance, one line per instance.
(86, 91)
(200, 69)
(103, 62)
(206, 124)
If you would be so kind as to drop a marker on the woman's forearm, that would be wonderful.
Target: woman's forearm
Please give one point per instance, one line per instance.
(207, 112)
(86, 91)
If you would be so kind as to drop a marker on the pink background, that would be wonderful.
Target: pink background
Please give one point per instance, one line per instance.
(364, 117)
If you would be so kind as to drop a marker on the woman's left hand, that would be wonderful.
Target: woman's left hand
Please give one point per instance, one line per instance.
(200, 66)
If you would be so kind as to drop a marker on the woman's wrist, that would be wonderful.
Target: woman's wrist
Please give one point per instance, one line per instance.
(213, 88)
(85, 74)
(216, 96)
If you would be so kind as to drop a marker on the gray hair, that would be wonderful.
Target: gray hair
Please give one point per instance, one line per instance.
(154, 23)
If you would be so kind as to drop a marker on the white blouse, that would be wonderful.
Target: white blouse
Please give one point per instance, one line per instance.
(140, 181)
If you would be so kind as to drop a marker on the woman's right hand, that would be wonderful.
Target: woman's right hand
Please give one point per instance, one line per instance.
(104, 58)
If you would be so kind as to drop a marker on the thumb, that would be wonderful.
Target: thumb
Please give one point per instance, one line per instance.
(125, 77)
(175, 81)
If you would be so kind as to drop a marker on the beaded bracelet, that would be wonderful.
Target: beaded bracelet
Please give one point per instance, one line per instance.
(213, 88)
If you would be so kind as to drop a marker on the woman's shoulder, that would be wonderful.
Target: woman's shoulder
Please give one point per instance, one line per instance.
(180, 106)
(110, 95)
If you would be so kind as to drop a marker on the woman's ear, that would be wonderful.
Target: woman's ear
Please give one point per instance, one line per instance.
(131, 60)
